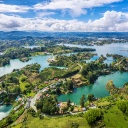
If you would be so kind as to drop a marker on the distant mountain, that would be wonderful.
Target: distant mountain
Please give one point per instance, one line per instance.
(15, 35)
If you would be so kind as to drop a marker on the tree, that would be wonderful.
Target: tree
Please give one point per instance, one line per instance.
(9, 120)
(16, 80)
(7, 100)
(92, 76)
(3, 85)
(93, 115)
(6, 88)
(58, 91)
(82, 100)
(84, 71)
(41, 116)
(123, 106)
(48, 105)
(17, 90)
(68, 103)
(69, 85)
(90, 97)
(39, 105)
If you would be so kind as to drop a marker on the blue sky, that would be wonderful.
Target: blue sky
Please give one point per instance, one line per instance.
(64, 15)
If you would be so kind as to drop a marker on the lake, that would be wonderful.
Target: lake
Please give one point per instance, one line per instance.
(17, 64)
(98, 88)
(4, 110)
(115, 48)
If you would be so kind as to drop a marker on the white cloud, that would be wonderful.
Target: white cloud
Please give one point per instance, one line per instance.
(77, 7)
(10, 22)
(111, 21)
(13, 8)
(73, 7)
(77, 12)
(43, 14)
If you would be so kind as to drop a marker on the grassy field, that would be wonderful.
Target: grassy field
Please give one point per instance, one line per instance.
(114, 118)
(56, 122)
(111, 118)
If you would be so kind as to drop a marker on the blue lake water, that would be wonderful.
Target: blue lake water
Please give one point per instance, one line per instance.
(98, 88)
(17, 64)
(118, 48)
(114, 48)
(4, 110)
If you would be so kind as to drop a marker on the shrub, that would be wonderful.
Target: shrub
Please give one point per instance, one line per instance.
(93, 115)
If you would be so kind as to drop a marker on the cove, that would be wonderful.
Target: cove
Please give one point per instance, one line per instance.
(4, 110)
(98, 88)
(17, 64)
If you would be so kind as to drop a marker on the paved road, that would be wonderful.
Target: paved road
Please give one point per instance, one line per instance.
(33, 101)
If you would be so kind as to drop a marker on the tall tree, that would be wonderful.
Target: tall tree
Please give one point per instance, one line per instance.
(68, 103)
(69, 85)
(82, 100)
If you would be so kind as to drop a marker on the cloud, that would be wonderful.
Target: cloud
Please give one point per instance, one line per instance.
(77, 12)
(76, 7)
(111, 21)
(10, 22)
(43, 14)
(14, 8)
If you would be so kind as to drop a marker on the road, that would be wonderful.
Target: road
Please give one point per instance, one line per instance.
(81, 67)
(33, 101)
(120, 62)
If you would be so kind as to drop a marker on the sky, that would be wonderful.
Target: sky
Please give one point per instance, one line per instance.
(64, 15)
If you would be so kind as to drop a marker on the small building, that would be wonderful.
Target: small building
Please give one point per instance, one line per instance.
(39, 96)
(46, 82)
(56, 79)
(45, 89)
(47, 95)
